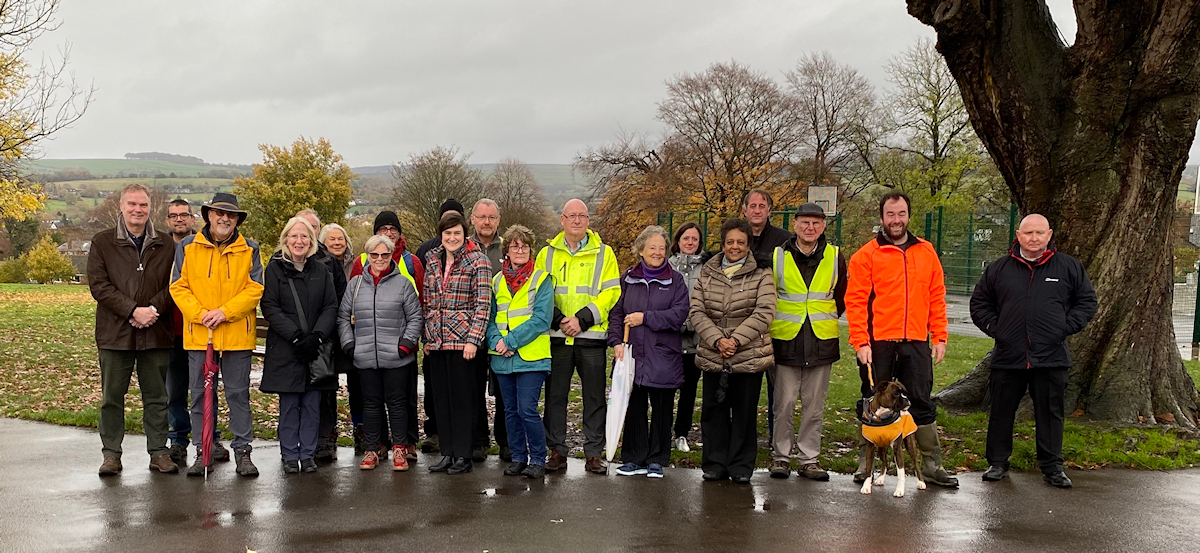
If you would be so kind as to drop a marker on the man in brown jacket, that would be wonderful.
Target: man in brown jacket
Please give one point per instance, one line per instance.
(129, 269)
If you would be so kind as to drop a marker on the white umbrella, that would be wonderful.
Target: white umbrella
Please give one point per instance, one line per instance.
(618, 398)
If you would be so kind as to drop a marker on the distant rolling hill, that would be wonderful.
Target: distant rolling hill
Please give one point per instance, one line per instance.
(110, 168)
(556, 178)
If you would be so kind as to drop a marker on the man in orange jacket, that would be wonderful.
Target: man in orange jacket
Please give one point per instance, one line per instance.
(896, 304)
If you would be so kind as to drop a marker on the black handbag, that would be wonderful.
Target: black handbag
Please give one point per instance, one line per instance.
(322, 367)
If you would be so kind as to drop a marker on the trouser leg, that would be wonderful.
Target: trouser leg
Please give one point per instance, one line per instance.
(634, 439)
(529, 388)
(517, 443)
(558, 389)
(289, 426)
(152, 380)
(462, 394)
(310, 421)
(814, 385)
(499, 428)
(593, 365)
(371, 392)
(354, 396)
(787, 388)
(411, 424)
(397, 383)
(770, 407)
(1007, 389)
(1047, 387)
(661, 400)
(235, 371)
(178, 415)
(431, 427)
(687, 396)
(715, 424)
(914, 369)
(116, 368)
(481, 434)
(744, 391)
(327, 418)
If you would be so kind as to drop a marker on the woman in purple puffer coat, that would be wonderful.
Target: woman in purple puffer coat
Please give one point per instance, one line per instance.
(654, 303)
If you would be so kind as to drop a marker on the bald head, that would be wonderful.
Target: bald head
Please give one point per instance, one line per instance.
(574, 220)
(1034, 235)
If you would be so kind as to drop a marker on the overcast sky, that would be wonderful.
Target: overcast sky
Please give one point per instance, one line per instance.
(535, 79)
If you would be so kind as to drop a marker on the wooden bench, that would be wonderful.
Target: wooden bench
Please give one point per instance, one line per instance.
(260, 327)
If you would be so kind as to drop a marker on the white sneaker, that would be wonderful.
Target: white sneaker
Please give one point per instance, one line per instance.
(681, 444)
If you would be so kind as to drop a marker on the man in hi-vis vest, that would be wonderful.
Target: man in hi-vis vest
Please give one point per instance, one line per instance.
(586, 287)
(810, 281)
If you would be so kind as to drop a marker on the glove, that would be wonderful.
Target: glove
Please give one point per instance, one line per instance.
(306, 347)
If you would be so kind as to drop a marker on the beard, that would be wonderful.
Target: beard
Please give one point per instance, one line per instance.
(895, 232)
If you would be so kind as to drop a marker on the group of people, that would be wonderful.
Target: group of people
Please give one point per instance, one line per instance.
(498, 312)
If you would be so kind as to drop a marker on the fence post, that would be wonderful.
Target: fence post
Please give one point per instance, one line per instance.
(941, 216)
(837, 225)
(1012, 223)
(1196, 323)
(929, 225)
(670, 223)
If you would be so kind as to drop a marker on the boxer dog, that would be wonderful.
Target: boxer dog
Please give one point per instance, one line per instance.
(887, 424)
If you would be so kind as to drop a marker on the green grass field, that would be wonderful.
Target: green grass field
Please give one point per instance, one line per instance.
(115, 183)
(51, 374)
(110, 167)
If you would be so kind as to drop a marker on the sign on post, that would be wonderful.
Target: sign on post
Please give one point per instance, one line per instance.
(824, 196)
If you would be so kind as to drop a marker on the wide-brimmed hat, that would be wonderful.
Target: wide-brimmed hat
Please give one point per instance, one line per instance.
(226, 202)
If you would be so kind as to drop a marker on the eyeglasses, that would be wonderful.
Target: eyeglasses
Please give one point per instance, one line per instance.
(222, 214)
(488, 218)
(518, 249)
(179, 216)
(807, 224)
(374, 255)
(576, 217)
(388, 228)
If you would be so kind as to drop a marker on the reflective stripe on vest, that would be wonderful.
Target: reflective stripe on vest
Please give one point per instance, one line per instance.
(591, 289)
(401, 265)
(796, 302)
(514, 309)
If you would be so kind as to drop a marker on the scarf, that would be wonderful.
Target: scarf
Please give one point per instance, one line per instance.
(656, 274)
(516, 277)
(731, 267)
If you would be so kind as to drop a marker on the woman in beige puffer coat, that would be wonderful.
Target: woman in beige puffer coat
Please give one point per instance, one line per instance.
(732, 307)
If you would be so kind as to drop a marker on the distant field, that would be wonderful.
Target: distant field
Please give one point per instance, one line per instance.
(110, 167)
(119, 183)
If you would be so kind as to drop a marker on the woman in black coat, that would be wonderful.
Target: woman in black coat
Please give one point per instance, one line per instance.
(290, 349)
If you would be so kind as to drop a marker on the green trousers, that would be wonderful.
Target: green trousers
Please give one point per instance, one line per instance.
(116, 369)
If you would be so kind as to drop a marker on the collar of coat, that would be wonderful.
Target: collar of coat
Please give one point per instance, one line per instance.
(238, 244)
(793, 245)
(884, 241)
(123, 233)
(748, 266)
(560, 243)
(1015, 251)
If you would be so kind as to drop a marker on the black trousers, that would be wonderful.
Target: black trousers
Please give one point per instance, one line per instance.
(454, 385)
(327, 428)
(730, 428)
(412, 430)
(1046, 387)
(687, 396)
(384, 388)
(647, 436)
(431, 428)
(910, 363)
(482, 433)
(592, 364)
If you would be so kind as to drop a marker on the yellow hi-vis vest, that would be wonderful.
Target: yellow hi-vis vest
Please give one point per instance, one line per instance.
(587, 279)
(797, 301)
(514, 309)
(401, 265)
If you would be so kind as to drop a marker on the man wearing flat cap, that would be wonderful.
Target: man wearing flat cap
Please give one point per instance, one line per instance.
(810, 281)
(216, 282)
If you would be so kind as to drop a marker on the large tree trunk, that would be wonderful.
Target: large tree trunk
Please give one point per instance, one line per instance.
(1094, 137)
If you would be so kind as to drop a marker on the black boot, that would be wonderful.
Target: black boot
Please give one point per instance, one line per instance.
(245, 467)
(359, 436)
(442, 466)
(515, 469)
(461, 465)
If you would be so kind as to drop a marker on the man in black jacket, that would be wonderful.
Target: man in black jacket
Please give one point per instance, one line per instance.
(765, 237)
(1030, 301)
(808, 274)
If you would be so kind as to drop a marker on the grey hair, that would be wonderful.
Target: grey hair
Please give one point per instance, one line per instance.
(309, 212)
(334, 226)
(485, 201)
(640, 242)
(376, 240)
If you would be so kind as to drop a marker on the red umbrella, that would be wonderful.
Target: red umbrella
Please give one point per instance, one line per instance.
(210, 418)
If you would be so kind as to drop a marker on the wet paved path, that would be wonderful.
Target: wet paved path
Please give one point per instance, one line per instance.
(51, 499)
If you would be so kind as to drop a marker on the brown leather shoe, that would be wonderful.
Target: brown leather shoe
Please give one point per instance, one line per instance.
(111, 466)
(163, 463)
(596, 465)
(813, 471)
(556, 461)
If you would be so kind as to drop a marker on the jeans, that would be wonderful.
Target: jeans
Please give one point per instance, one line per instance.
(299, 416)
(526, 434)
(178, 414)
(235, 371)
(116, 369)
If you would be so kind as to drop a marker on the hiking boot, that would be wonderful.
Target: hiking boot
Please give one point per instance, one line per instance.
(780, 469)
(219, 453)
(595, 465)
(110, 467)
(713, 476)
(479, 454)
(308, 465)
(931, 457)
(399, 458)
(813, 471)
(556, 461)
(995, 473)
(443, 465)
(325, 454)
(369, 461)
(197, 468)
(505, 454)
(359, 436)
(178, 453)
(291, 467)
(740, 479)
(515, 469)
(628, 469)
(430, 445)
(655, 470)
(1058, 480)
(681, 444)
(410, 452)
(245, 467)
(164, 464)
(460, 466)
(534, 471)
